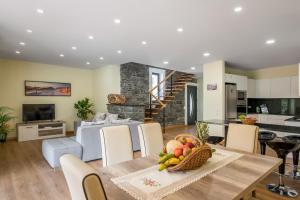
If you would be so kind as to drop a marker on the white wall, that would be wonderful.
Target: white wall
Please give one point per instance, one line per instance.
(106, 80)
(214, 100)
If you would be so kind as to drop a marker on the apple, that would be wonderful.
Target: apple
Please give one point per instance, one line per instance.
(178, 152)
(189, 144)
(186, 151)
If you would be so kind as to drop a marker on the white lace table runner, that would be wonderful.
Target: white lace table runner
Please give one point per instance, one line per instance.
(152, 184)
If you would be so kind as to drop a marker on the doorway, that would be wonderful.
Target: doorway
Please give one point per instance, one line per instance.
(191, 104)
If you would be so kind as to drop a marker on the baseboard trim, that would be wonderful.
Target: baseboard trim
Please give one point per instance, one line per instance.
(12, 138)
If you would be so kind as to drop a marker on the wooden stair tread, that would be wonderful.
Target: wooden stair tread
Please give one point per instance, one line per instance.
(169, 89)
(148, 118)
(152, 113)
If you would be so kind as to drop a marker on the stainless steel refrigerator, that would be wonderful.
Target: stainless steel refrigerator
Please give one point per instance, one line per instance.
(230, 101)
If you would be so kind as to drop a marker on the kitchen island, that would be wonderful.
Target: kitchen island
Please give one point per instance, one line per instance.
(265, 126)
(281, 129)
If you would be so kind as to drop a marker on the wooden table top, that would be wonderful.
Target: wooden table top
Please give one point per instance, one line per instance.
(233, 181)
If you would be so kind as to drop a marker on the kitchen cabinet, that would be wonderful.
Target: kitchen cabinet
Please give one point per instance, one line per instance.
(280, 87)
(251, 88)
(240, 81)
(262, 88)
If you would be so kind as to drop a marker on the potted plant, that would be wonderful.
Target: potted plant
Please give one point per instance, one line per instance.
(84, 109)
(5, 117)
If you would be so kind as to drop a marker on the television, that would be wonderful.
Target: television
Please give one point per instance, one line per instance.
(38, 112)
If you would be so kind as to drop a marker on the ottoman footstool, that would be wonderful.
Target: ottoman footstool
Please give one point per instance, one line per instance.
(53, 149)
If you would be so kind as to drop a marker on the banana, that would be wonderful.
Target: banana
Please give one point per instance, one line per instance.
(165, 158)
(174, 161)
(162, 167)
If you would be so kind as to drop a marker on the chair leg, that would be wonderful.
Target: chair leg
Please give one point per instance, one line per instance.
(280, 188)
(263, 148)
(296, 173)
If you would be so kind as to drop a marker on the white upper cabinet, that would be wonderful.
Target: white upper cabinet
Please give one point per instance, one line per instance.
(240, 81)
(281, 87)
(263, 88)
(295, 87)
(251, 88)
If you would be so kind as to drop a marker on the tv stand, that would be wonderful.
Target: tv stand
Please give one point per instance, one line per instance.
(40, 130)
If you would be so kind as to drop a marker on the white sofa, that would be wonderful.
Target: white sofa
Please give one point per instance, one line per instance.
(88, 140)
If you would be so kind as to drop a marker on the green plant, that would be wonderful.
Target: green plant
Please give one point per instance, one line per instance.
(202, 131)
(84, 108)
(5, 116)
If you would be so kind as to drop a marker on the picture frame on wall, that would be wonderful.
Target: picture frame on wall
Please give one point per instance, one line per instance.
(213, 86)
(44, 88)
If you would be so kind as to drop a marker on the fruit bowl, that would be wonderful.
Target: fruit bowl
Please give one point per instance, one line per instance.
(249, 121)
(185, 152)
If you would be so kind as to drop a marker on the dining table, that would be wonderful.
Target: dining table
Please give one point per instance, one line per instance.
(235, 180)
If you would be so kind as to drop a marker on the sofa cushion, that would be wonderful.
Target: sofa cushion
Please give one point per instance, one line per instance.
(110, 117)
(53, 149)
(99, 116)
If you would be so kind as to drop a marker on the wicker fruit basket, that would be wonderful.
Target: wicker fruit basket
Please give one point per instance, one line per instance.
(194, 158)
(249, 121)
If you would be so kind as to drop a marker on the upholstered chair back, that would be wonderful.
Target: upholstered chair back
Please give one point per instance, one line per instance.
(116, 144)
(151, 138)
(83, 181)
(242, 137)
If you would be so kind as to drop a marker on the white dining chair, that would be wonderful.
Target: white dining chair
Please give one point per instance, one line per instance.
(83, 181)
(151, 138)
(116, 144)
(242, 137)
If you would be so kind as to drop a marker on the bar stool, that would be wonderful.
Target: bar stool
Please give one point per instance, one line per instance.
(282, 147)
(263, 137)
(215, 139)
(295, 173)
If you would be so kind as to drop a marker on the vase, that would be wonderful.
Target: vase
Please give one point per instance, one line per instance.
(3, 137)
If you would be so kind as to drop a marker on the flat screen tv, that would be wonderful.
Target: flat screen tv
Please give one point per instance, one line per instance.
(38, 112)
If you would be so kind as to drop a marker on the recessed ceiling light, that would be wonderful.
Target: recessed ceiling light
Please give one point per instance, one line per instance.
(101, 58)
(179, 29)
(117, 21)
(22, 43)
(144, 42)
(119, 52)
(40, 11)
(206, 54)
(238, 9)
(61, 55)
(18, 52)
(193, 68)
(74, 48)
(166, 62)
(28, 31)
(270, 41)
(88, 63)
(91, 37)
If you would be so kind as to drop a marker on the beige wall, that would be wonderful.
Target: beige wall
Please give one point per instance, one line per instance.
(214, 100)
(274, 72)
(270, 72)
(95, 84)
(106, 80)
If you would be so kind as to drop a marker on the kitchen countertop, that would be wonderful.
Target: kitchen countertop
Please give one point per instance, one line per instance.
(271, 127)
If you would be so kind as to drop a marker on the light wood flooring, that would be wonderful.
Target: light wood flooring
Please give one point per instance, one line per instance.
(24, 174)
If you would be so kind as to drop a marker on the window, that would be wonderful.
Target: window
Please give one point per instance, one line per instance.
(155, 79)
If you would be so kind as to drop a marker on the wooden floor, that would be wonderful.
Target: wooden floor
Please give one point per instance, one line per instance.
(24, 174)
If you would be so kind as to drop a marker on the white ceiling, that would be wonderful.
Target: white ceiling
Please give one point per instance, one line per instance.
(209, 26)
